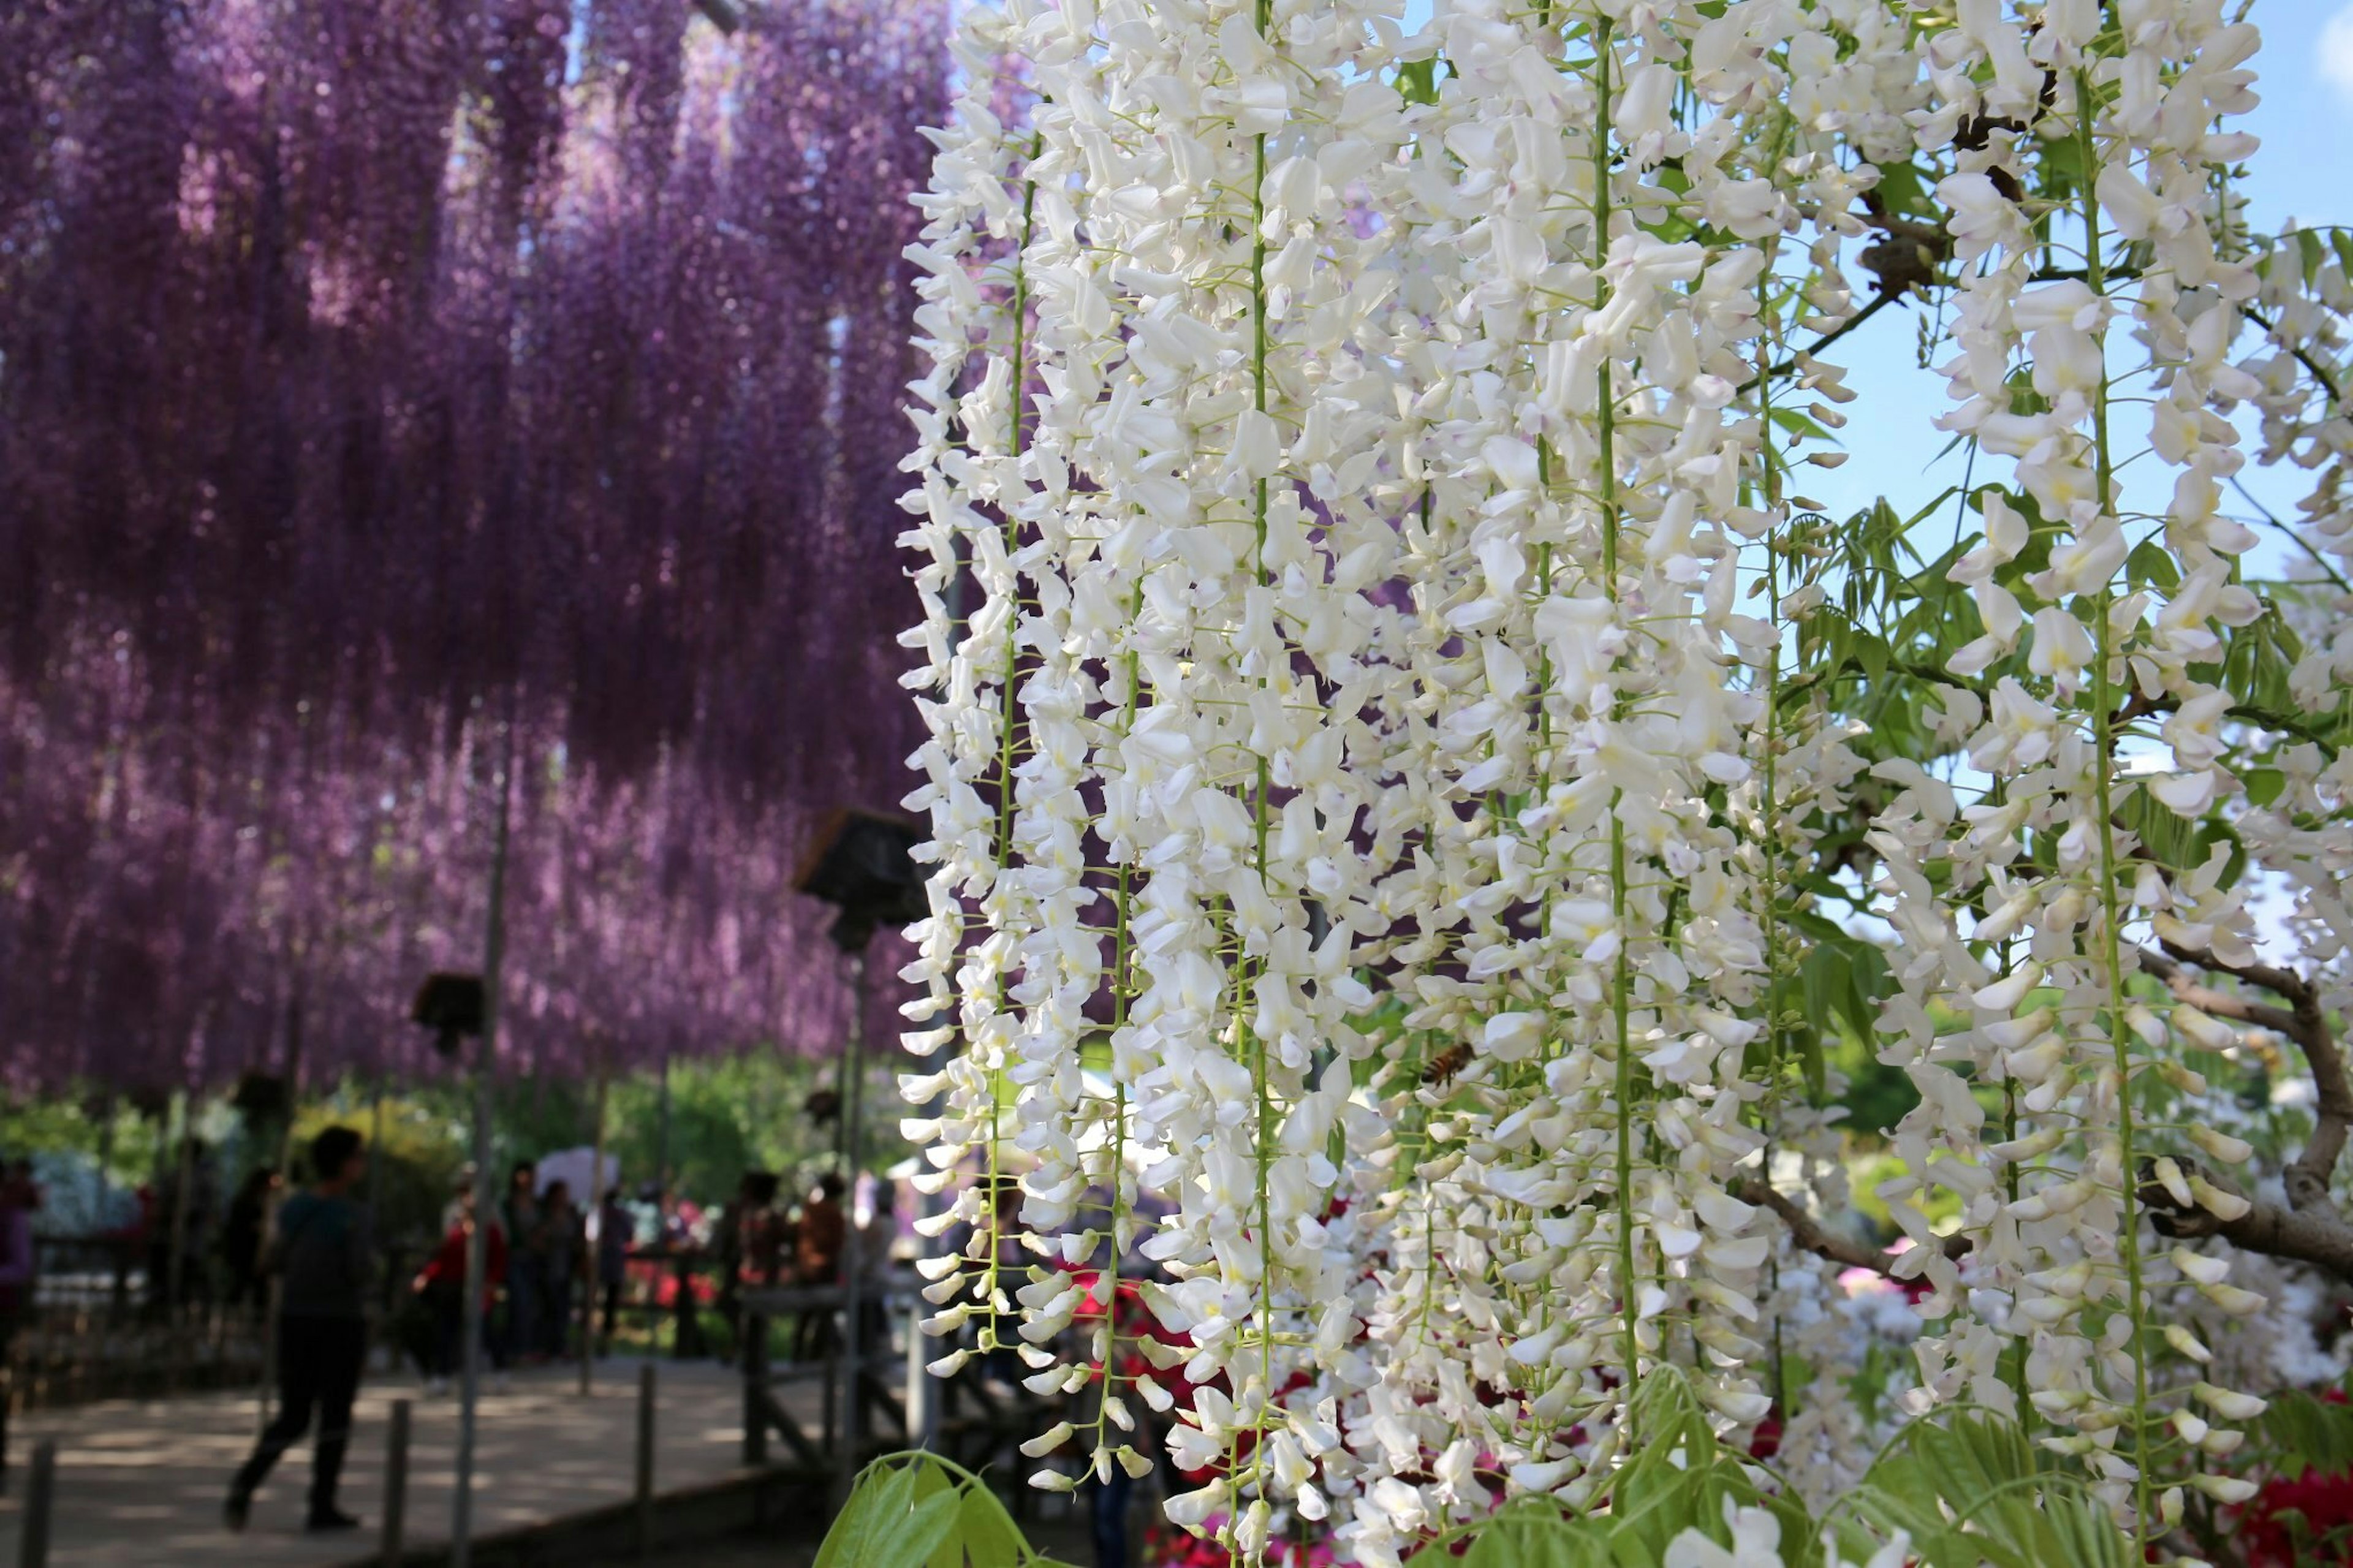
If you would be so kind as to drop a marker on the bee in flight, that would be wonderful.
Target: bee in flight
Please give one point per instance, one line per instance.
(1442, 1068)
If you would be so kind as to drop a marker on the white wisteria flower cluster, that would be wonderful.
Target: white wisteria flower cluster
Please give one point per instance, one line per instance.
(1417, 787)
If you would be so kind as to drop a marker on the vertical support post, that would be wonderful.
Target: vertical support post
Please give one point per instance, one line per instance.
(922, 1404)
(853, 1264)
(645, 1458)
(184, 1175)
(269, 1329)
(7, 1403)
(41, 1501)
(285, 1183)
(494, 942)
(755, 1385)
(592, 1204)
(375, 1152)
(662, 1157)
(395, 1483)
(375, 1199)
(691, 1344)
(923, 1393)
(105, 1156)
(827, 1427)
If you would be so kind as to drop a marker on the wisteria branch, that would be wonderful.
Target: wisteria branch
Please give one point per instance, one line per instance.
(2305, 1235)
(1812, 1235)
(2303, 1020)
(1852, 324)
(2319, 373)
(2307, 1230)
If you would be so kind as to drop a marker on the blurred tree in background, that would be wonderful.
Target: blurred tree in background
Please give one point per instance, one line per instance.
(725, 1117)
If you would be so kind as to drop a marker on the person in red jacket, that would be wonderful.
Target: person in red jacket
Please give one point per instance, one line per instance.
(442, 1283)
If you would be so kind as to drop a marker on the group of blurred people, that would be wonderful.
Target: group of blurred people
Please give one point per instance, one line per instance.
(539, 1249)
(193, 1248)
(756, 1242)
(535, 1256)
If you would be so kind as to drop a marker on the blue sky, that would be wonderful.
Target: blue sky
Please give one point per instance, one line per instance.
(2304, 170)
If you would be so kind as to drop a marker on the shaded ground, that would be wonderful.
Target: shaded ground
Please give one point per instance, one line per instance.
(140, 1482)
(1065, 1539)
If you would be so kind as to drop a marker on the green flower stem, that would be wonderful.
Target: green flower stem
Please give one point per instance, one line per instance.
(2015, 1362)
(2111, 905)
(1621, 986)
(1769, 784)
(1246, 987)
(1008, 712)
(1769, 832)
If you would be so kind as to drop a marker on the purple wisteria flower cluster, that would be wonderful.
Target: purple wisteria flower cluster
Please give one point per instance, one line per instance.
(377, 374)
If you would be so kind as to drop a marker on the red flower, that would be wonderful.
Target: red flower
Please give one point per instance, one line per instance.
(2325, 1501)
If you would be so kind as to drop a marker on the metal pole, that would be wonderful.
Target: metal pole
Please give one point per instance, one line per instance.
(462, 1504)
(40, 1497)
(395, 1483)
(184, 1177)
(645, 1458)
(375, 1153)
(285, 1184)
(105, 1157)
(594, 1202)
(853, 1072)
(172, 1290)
(374, 1201)
(756, 1383)
(661, 1158)
(921, 1403)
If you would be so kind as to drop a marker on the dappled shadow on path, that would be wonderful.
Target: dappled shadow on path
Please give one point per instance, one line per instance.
(140, 1482)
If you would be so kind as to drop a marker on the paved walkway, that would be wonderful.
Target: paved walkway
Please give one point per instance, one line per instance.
(1065, 1539)
(140, 1482)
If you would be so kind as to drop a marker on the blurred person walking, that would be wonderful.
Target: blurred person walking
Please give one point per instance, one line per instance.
(561, 1241)
(876, 1239)
(179, 1239)
(731, 1245)
(321, 1251)
(823, 1228)
(441, 1283)
(616, 1232)
(240, 1243)
(817, 1245)
(526, 1265)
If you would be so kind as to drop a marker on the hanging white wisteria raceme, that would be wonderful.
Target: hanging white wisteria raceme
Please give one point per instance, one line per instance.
(1420, 788)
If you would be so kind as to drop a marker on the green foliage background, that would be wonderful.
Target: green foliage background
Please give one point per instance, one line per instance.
(726, 1116)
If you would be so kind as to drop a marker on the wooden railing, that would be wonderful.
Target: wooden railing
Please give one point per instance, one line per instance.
(820, 1311)
(95, 1328)
(982, 1414)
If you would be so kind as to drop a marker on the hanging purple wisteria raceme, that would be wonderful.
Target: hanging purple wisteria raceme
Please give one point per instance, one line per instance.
(176, 912)
(375, 372)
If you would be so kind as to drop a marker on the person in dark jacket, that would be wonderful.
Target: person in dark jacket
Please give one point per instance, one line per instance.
(321, 1251)
(560, 1242)
(617, 1231)
(526, 1332)
(241, 1239)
